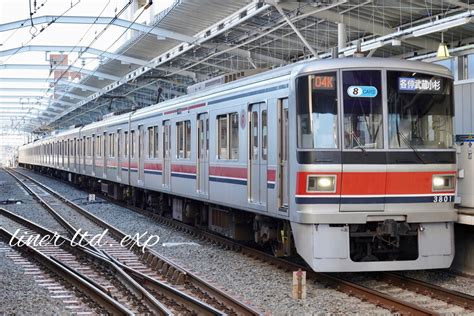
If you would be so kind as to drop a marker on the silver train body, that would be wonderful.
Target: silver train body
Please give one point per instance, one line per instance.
(350, 161)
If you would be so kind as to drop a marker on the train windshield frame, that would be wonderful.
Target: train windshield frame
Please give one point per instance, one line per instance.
(363, 109)
(420, 110)
(379, 109)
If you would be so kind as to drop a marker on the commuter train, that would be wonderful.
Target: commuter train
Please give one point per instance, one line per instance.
(348, 162)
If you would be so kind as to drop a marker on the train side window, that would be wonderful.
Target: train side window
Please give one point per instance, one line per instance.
(151, 141)
(228, 136)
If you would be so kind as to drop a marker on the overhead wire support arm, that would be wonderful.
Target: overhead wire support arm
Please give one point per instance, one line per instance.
(295, 29)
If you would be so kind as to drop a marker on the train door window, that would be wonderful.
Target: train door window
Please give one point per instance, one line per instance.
(125, 144)
(140, 141)
(166, 139)
(180, 139)
(254, 135)
(93, 146)
(156, 142)
(234, 135)
(105, 150)
(132, 144)
(183, 136)
(283, 167)
(151, 142)
(112, 145)
(119, 148)
(264, 135)
(97, 145)
(222, 137)
(187, 139)
(228, 136)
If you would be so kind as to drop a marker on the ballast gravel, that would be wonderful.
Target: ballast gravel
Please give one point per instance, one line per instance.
(463, 284)
(23, 204)
(20, 294)
(264, 286)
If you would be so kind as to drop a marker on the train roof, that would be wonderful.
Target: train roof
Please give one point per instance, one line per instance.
(302, 67)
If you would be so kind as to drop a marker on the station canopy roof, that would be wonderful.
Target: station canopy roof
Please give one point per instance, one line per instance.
(72, 62)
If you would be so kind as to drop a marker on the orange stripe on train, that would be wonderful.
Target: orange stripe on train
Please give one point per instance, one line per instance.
(375, 183)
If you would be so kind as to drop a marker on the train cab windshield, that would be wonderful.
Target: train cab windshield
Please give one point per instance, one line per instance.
(317, 111)
(420, 111)
(419, 107)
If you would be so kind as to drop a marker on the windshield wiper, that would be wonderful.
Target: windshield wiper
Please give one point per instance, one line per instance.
(357, 140)
(407, 141)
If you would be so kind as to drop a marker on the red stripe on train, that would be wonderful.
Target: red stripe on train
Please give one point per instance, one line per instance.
(183, 168)
(153, 166)
(375, 183)
(240, 173)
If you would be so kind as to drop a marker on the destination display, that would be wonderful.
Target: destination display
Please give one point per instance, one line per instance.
(419, 85)
(324, 82)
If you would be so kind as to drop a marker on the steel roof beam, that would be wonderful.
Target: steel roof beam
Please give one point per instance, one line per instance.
(81, 49)
(78, 85)
(49, 19)
(69, 95)
(59, 67)
(53, 101)
(373, 28)
(231, 21)
(247, 54)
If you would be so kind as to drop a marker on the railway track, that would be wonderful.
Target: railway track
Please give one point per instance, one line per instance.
(181, 291)
(48, 267)
(387, 293)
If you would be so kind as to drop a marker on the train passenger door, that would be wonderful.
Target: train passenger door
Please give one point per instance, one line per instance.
(141, 171)
(283, 154)
(166, 154)
(258, 154)
(203, 154)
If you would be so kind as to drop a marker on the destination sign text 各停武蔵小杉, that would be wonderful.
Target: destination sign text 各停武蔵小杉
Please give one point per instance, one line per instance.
(419, 85)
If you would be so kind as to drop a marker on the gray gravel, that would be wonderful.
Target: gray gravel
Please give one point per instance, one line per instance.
(267, 287)
(445, 279)
(29, 208)
(20, 295)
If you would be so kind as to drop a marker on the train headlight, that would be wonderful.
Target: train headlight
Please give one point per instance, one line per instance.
(443, 182)
(321, 184)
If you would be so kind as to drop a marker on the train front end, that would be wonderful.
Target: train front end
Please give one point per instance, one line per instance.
(375, 171)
